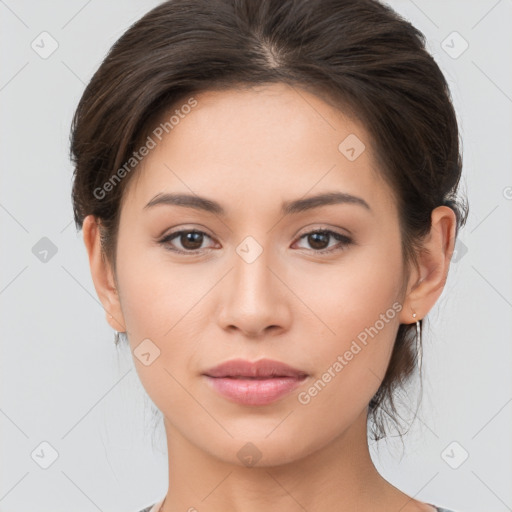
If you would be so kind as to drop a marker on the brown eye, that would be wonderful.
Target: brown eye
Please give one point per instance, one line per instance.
(189, 240)
(319, 240)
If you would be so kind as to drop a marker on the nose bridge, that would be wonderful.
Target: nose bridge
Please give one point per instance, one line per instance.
(254, 300)
(252, 276)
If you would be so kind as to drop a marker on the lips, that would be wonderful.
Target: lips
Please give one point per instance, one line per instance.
(261, 369)
(260, 383)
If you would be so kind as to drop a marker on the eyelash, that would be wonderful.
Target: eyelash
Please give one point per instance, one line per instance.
(344, 240)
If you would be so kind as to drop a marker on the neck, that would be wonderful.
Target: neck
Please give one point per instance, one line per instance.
(337, 476)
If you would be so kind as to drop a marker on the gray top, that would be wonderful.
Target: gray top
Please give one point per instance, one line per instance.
(439, 509)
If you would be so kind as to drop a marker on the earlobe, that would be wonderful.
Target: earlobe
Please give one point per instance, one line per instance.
(433, 265)
(102, 274)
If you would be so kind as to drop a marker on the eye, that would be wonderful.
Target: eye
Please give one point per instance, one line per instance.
(319, 240)
(190, 240)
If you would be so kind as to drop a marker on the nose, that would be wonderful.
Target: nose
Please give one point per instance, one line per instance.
(254, 298)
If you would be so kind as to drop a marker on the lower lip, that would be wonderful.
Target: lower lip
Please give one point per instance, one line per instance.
(254, 391)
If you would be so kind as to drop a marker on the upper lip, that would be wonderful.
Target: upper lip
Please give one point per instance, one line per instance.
(261, 368)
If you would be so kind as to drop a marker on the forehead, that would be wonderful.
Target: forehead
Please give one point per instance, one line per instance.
(262, 143)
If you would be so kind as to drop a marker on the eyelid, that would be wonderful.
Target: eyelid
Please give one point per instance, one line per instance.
(183, 227)
(312, 228)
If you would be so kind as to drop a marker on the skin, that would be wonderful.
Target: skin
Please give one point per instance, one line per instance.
(250, 150)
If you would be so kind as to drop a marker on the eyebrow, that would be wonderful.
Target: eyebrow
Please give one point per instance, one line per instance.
(288, 207)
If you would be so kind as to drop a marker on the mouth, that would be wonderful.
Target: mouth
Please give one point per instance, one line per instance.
(259, 383)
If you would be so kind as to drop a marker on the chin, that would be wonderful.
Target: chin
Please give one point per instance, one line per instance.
(259, 449)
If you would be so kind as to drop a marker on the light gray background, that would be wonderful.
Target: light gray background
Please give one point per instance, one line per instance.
(63, 382)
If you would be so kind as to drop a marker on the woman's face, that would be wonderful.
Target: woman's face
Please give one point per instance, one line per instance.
(255, 283)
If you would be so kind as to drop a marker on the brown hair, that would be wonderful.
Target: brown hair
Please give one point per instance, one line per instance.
(359, 55)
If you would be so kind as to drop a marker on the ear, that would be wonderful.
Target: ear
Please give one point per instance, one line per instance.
(102, 274)
(427, 281)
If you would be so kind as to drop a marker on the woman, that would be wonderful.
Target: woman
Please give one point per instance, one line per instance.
(268, 197)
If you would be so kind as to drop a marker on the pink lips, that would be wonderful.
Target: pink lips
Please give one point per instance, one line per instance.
(258, 383)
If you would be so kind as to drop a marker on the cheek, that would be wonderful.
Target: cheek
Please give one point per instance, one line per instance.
(163, 302)
(358, 311)
(155, 294)
(157, 302)
(352, 294)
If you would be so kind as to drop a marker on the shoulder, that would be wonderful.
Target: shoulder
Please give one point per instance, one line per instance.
(153, 508)
(431, 508)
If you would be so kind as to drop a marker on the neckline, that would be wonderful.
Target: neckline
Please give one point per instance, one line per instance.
(156, 507)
